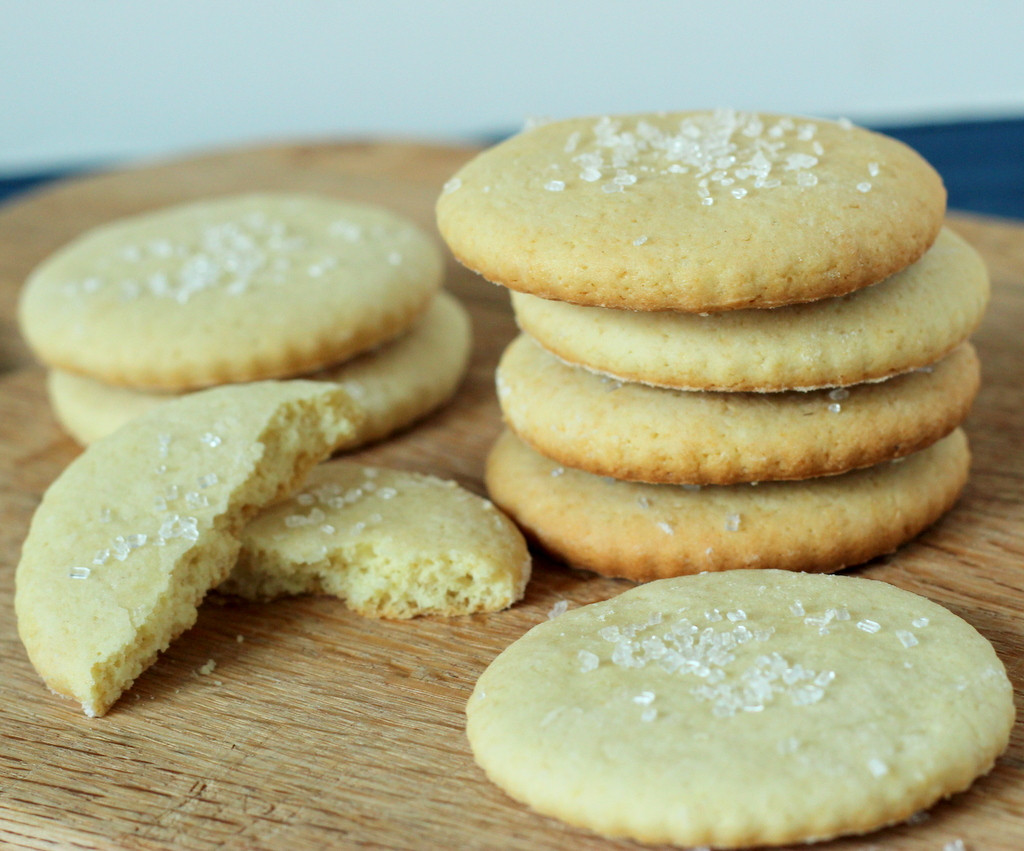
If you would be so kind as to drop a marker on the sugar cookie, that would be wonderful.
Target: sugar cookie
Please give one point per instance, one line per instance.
(694, 211)
(652, 434)
(226, 290)
(394, 384)
(133, 533)
(390, 543)
(645, 531)
(907, 321)
(742, 709)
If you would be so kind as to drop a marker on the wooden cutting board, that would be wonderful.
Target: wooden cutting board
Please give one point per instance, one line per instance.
(320, 729)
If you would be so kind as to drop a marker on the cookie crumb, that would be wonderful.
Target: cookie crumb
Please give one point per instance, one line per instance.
(208, 667)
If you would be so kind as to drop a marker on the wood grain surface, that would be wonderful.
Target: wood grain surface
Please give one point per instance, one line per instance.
(320, 729)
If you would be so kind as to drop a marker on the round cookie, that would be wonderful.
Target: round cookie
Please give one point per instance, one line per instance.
(907, 321)
(391, 544)
(750, 708)
(394, 384)
(693, 211)
(644, 531)
(134, 532)
(228, 290)
(652, 434)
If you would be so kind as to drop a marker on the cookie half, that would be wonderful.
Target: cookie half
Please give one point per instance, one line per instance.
(390, 543)
(750, 708)
(647, 531)
(907, 321)
(693, 211)
(394, 384)
(233, 289)
(135, 531)
(652, 434)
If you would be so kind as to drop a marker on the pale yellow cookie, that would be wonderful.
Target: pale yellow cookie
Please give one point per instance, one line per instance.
(394, 384)
(390, 543)
(907, 321)
(742, 709)
(644, 531)
(694, 211)
(652, 434)
(230, 289)
(135, 531)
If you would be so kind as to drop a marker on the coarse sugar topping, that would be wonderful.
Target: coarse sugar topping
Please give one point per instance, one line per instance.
(726, 155)
(711, 648)
(694, 648)
(175, 511)
(234, 250)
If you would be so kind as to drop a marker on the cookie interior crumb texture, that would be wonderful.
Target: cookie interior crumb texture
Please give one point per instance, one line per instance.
(134, 532)
(751, 708)
(390, 543)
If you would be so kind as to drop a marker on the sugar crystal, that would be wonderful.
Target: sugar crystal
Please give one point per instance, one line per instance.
(558, 608)
(877, 767)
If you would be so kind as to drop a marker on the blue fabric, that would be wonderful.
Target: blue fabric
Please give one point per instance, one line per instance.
(981, 162)
(11, 186)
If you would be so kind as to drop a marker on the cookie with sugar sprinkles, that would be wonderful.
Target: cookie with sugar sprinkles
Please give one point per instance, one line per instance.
(643, 531)
(231, 289)
(907, 321)
(742, 709)
(692, 211)
(133, 533)
(390, 543)
(653, 434)
(393, 384)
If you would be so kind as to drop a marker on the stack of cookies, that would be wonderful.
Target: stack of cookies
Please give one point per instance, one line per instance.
(744, 339)
(244, 288)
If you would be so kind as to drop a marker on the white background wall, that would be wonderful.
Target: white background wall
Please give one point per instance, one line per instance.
(89, 81)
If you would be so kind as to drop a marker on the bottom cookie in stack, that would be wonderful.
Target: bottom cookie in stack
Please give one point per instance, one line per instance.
(643, 531)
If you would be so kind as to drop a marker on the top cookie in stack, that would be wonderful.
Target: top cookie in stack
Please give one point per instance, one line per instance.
(244, 288)
(716, 297)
